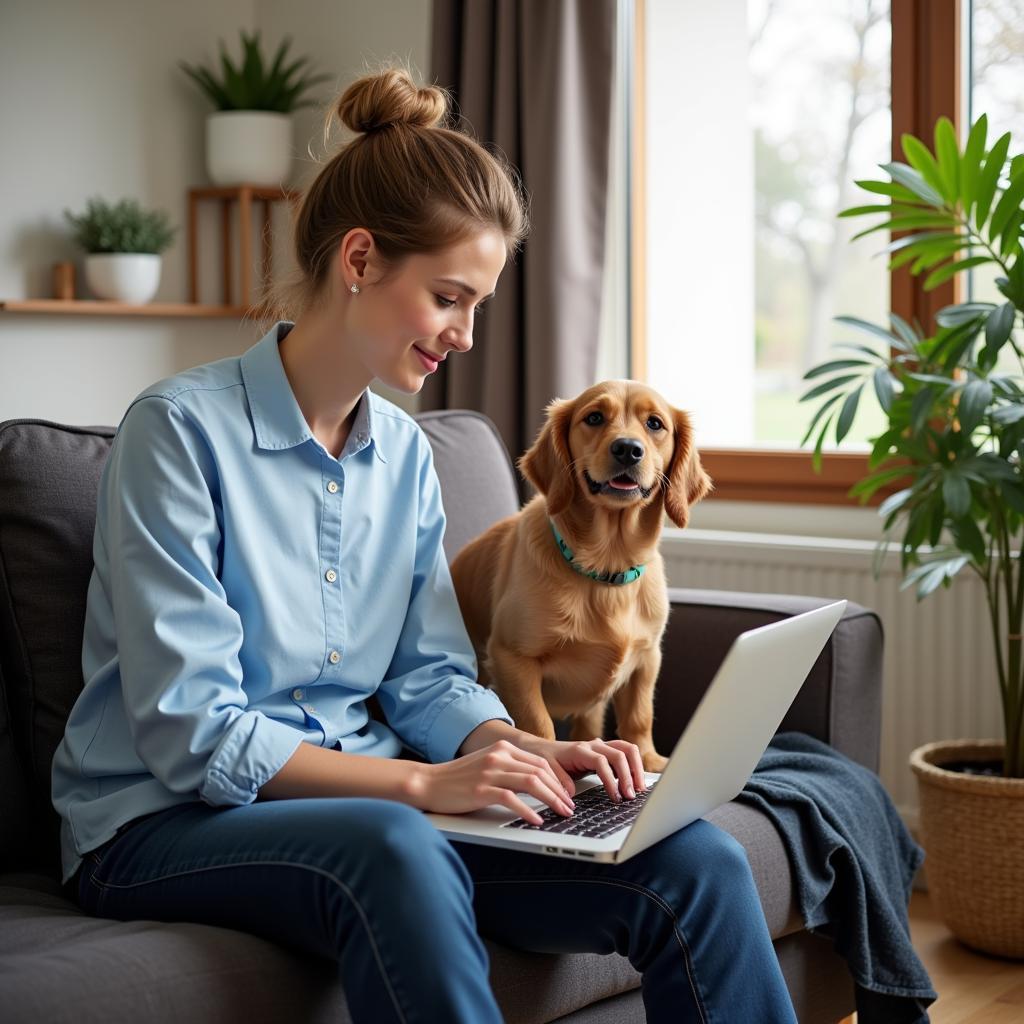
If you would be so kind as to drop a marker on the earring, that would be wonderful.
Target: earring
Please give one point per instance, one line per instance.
(354, 289)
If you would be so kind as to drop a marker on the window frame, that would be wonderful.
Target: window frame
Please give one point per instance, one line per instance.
(927, 62)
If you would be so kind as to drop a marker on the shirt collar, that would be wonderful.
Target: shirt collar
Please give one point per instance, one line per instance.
(277, 420)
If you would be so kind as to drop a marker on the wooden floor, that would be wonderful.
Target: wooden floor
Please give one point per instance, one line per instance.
(973, 989)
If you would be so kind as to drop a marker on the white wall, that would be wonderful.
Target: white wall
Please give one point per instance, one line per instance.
(92, 102)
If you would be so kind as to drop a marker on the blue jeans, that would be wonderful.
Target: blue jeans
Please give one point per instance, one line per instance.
(350, 879)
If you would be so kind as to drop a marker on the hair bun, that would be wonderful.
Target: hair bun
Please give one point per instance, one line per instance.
(387, 98)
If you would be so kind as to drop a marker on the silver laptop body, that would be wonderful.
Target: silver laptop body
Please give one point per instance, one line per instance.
(713, 759)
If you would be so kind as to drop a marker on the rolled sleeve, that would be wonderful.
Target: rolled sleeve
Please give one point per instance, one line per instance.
(253, 750)
(457, 718)
(430, 695)
(178, 638)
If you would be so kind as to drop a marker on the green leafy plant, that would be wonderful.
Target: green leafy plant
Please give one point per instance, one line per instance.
(955, 432)
(123, 227)
(253, 85)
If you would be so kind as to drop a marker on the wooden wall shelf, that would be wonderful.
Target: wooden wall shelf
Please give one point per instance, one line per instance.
(246, 197)
(97, 307)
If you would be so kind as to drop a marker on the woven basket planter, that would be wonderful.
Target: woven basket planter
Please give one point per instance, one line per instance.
(972, 830)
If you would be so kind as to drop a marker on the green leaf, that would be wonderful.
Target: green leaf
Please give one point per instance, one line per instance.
(1007, 414)
(921, 159)
(989, 178)
(947, 153)
(931, 574)
(893, 189)
(974, 400)
(920, 220)
(1012, 286)
(847, 413)
(999, 324)
(904, 330)
(882, 445)
(920, 408)
(936, 277)
(895, 501)
(885, 387)
(933, 256)
(932, 378)
(835, 364)
(865, 325)
(962, 313)
(956, 494)
(816, 457)
(860, 211)
(969, 538)
(866, 487)
(914, 183)
(1006, 207)
(1010, 238)
(970, 165)
(817, 416)
(835, 382)
(928, 241)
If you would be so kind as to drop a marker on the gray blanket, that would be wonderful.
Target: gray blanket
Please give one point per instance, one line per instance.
(853, 864)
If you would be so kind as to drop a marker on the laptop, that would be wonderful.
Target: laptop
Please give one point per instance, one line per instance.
(713, 759)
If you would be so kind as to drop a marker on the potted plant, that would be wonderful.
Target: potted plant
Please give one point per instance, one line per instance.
(123, 243)
(248, 138)
(954, 403)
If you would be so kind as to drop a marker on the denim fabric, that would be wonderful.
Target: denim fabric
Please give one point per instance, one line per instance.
(374, 886)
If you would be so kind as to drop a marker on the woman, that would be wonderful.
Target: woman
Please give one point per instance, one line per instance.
(268, 556)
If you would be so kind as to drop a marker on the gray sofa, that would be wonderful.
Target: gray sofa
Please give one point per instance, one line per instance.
(57, 964)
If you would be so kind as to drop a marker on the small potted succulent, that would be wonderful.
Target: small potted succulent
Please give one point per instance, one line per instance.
(248, 137)
(123, 243)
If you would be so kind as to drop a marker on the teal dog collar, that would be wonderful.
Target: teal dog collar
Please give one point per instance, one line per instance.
(614, 578)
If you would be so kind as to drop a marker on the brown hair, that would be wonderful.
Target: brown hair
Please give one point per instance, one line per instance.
(416, 185)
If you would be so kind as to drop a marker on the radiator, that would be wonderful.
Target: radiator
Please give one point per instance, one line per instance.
(939, 672)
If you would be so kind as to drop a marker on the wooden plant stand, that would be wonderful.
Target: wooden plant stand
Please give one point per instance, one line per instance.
(245, 196)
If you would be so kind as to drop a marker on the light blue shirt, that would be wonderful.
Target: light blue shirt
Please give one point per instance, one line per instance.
(249, 592)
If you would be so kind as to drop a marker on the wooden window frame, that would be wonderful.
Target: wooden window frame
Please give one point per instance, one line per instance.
(926, 84)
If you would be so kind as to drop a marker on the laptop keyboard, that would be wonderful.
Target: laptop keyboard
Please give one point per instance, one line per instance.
(597, 815)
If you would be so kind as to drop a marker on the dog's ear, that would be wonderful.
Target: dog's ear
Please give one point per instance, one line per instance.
(687, 481)
(547, 464)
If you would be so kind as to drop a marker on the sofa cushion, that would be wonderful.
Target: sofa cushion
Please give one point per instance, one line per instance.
(478, 485)
(168, 972)
(49, 478)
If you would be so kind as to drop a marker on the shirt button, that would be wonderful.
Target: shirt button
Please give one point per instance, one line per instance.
(330, 575)
(334, 657)
(298, 694)
(332, 487)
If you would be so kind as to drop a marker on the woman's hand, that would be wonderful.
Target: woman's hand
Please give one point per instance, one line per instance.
(616, 762)
(492, 775)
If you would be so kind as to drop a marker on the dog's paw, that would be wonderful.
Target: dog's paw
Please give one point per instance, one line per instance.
(654, 762)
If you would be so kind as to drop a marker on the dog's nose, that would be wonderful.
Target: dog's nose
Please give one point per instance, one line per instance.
(626, 451)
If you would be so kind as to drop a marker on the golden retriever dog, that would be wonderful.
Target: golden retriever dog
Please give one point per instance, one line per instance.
(565, 601)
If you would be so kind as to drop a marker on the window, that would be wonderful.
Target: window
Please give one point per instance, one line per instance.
(754, 118)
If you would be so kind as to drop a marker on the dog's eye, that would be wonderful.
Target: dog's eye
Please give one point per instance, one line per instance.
(653, 423)
(594, 419)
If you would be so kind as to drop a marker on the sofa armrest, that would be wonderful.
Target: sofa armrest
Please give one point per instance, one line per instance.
(841, 701)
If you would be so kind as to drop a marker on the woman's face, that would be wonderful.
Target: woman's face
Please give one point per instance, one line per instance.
(410, 321)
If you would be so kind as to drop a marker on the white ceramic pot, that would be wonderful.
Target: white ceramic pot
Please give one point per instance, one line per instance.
(248, 147)
(123, 276)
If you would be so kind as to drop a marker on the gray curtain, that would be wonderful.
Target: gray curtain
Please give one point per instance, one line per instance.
(533, 79)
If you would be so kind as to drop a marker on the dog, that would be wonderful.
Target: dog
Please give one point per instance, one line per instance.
(565, 601)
